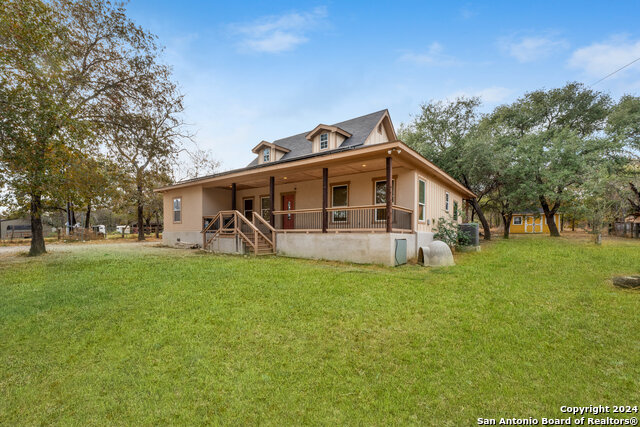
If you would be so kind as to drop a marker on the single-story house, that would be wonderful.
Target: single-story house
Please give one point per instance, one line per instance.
(319, 194)
(532, 222)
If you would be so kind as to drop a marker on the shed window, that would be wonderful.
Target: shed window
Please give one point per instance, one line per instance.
(177, 209)
(324, 141)
(266, 155)
(517, 220)
(446, 202)
(265, 207)
(339, 197)
(422, 199)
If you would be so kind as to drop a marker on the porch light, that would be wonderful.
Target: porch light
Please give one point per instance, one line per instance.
(364, 166)
(284, 177)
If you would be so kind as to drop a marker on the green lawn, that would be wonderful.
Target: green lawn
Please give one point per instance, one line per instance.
(159, 336)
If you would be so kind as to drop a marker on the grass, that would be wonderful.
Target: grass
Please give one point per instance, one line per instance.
(160, 336)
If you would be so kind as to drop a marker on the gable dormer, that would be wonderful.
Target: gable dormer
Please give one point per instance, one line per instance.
(382, 132)
(325, 138)
(269, 152)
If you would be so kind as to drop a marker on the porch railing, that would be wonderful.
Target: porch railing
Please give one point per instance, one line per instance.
(258, 235)
(347, 218)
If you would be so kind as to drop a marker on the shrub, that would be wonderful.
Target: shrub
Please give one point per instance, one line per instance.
(449, 232)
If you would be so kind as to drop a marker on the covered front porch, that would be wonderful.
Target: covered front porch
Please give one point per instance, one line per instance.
(328, 194)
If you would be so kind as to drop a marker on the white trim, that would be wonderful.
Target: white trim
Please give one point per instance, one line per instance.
(519, 217)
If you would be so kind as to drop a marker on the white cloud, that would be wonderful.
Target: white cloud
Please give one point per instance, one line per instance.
(467, 12)
(275, 34)
(490, 95)
(533, 48)
(432, 56)
(600, 59)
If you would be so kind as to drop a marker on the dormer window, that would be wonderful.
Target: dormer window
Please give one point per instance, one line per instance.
(324, 141)
(266, 155)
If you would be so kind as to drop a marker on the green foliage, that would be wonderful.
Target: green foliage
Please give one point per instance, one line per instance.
(448, 231)
(447, 134)
(624, 123)
(62, 66)
(555, 140)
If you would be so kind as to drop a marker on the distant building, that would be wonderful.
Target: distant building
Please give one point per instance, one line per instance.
(531, 222)
(18, 228)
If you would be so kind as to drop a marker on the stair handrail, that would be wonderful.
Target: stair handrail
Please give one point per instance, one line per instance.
(253, 228)
(205, 243)
(271, 241)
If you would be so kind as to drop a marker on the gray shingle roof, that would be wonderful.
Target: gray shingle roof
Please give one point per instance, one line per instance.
(359, 128)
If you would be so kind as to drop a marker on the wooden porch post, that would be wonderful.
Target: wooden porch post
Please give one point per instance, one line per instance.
(272, 200)
(325, 197)
(233, 196)
(389, 195)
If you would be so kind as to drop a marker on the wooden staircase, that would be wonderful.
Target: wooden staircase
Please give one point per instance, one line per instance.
(258, 236)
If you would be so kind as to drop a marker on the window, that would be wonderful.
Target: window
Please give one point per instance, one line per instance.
(380, 128)
(324, 141)
(381, 197)
(422, 199)
(177, 209)
(339, 197)
(517, 220)
(446, 202)
(266, 155)
(265, 207)
(248, 208)
(455, 210)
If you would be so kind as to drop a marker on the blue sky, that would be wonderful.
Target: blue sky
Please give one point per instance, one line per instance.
(265, 70)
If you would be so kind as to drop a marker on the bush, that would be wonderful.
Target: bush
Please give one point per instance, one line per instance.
(449, 232)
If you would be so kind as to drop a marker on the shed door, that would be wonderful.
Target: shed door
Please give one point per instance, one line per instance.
(528, 224)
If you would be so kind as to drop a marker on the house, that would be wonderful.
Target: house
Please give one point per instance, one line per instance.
(529, 222)
(319, 194)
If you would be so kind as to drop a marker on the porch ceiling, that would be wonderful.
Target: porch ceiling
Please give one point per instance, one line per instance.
(295, 174)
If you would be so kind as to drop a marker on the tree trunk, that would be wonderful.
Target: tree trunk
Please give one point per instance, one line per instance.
(87, 220)
(573, 224)
(140, 215)
(506, 221)
(37, 236)
(485, 225)
(549, 215)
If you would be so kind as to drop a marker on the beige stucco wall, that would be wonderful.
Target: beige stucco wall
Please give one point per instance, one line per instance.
(192, 212)
(215, 200)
